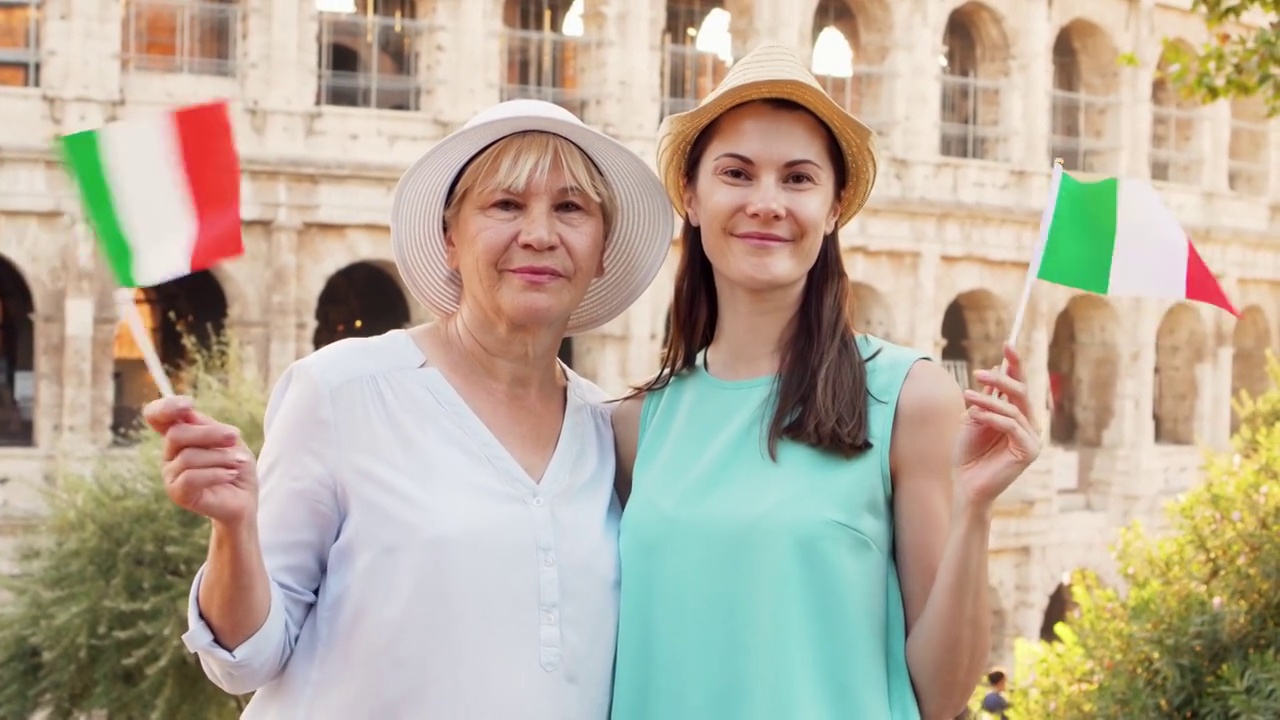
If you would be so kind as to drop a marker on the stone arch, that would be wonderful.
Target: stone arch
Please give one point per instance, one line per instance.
(976, 57)
(861, 33)
(540, 60)
(1250, 342)
(362, 299)
(691, 68)
(871, 311)
(1084, 368)
(1181, 345)
(975, 327)
(17, 357)
(1175, 126)
(189, 309)
(1085, 106)
(1084, 59)
(353, 53)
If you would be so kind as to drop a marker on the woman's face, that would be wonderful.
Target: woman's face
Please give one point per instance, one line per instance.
(763, 196)
(527, 255)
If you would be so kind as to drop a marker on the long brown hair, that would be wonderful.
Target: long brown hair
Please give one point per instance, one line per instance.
(821, 387)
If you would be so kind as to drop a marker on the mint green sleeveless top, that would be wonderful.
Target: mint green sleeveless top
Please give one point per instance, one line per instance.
(755, 590)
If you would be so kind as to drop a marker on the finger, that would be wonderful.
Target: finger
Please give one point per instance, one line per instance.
(183, 435)
(164, 413)
(1008, 386)
(1013, 363)
(187, 487)
(1001, 406)
(1007, 426)
(194, 458)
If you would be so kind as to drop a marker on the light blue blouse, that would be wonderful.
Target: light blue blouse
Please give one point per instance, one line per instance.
(416, 570)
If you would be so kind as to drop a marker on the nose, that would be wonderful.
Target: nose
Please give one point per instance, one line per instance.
(766, 201)
(537, 231)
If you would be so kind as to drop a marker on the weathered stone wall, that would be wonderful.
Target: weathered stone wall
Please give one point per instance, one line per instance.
(1139, 383)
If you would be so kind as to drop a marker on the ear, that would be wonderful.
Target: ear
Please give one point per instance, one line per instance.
(450, 251)
(834, 215)
(691, 205)
(600, 267)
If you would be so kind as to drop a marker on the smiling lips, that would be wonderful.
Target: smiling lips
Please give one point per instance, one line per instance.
(536, 274)
(761, 238)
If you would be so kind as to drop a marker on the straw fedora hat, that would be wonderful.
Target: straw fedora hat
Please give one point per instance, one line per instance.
(639, 238)
(771, 71)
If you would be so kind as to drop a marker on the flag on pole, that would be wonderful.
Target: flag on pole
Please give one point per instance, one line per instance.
(162, 193)
(1116, 237)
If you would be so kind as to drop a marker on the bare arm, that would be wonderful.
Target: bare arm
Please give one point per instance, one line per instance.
(626, 437)
(941, 548)
(235, 592)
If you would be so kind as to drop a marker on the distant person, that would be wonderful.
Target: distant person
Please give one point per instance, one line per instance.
(994, 701)
(436, 533)
(808, 507)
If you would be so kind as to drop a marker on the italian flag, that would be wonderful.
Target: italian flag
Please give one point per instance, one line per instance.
(162, 193)
(1116, 237)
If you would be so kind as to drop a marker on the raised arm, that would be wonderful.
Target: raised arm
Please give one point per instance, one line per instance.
(249, 600)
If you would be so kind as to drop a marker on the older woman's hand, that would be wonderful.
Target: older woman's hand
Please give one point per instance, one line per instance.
(207, 467)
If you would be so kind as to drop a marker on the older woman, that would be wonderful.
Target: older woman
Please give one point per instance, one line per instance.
(431, 529)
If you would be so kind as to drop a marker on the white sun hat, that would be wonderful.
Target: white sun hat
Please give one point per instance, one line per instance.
(641, 234)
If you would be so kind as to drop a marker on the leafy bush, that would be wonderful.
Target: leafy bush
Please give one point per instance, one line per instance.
(99, 602)
(1195, 635)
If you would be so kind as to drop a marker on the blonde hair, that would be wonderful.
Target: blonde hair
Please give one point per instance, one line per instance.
(517, 160)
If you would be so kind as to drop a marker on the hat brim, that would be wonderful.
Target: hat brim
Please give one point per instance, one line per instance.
(637, 245)
(857, 141)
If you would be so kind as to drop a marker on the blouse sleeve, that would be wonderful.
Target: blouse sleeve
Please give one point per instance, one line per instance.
(299, 515)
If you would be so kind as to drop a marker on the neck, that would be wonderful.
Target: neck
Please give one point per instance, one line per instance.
(516, 361)
(751, 327)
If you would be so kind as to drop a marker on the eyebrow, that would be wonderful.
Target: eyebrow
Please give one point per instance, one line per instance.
(789, 164)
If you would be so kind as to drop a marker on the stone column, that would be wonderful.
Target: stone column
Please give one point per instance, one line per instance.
(466, 60)
(926, 324)
(82, 94)
(284, 307)
(918, 81)
(1028, 102)
(1134, 124)
(753, 22)
(1216, 146)
(77, 433)
(280, 73)
(625, 77)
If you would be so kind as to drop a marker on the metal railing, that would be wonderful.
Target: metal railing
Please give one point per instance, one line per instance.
(1247, 169)
(1175, 144)
(688, 74)
(371, 62)
(181, 36)
(543, 65)
(865, 94)
(1085, 131)
(971, 118)
(20, 44)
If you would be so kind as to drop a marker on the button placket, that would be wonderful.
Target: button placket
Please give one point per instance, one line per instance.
(549, 635)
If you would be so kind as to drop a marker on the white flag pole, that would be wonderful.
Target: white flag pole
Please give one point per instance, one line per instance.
(129, 311)
(1033, 268)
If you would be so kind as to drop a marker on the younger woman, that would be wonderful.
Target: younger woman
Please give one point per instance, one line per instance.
(807, 508)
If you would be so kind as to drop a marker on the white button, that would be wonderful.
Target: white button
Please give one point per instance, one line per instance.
(537, 501)
(548, 560)
(551, 619)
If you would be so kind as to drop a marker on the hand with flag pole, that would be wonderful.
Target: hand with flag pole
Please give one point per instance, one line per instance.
(162, 194)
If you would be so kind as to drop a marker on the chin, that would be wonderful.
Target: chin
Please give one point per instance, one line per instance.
(764, 278)
(538, 311)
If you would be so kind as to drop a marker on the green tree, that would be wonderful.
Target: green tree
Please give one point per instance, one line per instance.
(99, 600)
(1233, 63)
(1195, 634)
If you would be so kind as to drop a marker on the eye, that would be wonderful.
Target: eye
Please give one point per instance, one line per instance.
(570, 206)
(506, 205)
(799, 177)
(734, 173)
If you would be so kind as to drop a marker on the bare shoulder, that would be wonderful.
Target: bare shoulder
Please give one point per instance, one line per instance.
(930, 408)
(626, 421)
(626, 441)
(928, 393)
